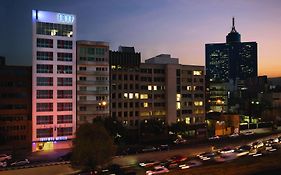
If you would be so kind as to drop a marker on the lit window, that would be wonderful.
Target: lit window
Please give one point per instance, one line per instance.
(125, 95)
(198, 103)
(197, 72)
(149, 87)
(178, 105)
(143, 96)
(188, 88)
(187, 120)
(137, 95)
(131, 95)
(178, 97)
(145, 104)
(155, 88)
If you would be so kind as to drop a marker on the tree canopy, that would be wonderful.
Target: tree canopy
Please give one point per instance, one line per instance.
(93, 146)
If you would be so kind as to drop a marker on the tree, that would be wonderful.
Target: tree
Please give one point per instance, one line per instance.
(152, 126)
(93, 146)
(179, 127)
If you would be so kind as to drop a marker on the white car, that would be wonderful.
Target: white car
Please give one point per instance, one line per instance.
(3, 164)
(234, 135)
(226, 150)
(248, 133)
(190, 164)
(214, 138)
(157, 170)
(207, 155)
(4, 157)
(180, 141)
(20, 163)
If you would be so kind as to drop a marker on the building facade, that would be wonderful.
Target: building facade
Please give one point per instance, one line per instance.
(15, 107)
(92, 81)
(53, 80)
(227, 64)
(160, 89)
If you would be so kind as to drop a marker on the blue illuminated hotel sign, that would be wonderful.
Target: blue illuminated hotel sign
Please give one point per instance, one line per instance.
(65, 18)
(52, 139)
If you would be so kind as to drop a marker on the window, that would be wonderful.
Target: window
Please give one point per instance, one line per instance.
(63, 69)
(64, 106)
(64, 119)
(48, 43)
(64, 81)
(52, 29)
(45, 56)
(44, 68)
(65, 131)
(44, 107)
(197, 72)
(64, 57)
(44, 119)
(44, 94)
(64, 94)
(143, 96)
(83, 68)
(48, 132)
(198, 103)
(82, 78)
(44, 81)
(63, 44)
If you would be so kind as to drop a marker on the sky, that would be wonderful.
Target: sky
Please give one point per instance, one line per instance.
(177, 27)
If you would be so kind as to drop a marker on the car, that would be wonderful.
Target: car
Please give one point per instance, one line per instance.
(3, 164)
(180, 141)
(234, 135)
(207, 155)
(214, 138)
(257, 144)
(225, 157)
(157, 170)
(226, 150)
(4, 157)
(177, 158)
(163, 147)
(190, 164)
(148, 163)
(20, 162)
(241, 152)
(248, 133)
(149, 149)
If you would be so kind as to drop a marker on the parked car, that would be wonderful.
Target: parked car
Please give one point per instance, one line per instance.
(163, 147)
(234, 135)
(3, 164)
(4, 157)
(214, 138)
(180, 141)
(157, 170)
(20, 162)
(149, 149)
(248, 133)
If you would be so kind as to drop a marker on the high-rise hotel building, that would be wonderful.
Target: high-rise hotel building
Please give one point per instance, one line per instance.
(53, 80)
(92, 81)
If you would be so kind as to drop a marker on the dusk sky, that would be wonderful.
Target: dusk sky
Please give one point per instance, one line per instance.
(177, 27)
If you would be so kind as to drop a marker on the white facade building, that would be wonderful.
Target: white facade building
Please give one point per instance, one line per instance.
(53, 80)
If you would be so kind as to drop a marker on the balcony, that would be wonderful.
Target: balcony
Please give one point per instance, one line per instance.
(88, 63)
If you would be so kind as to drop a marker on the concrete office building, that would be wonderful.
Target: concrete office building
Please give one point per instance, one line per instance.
(15, 107)
(92, 81)
(159, 89)
(53, 80)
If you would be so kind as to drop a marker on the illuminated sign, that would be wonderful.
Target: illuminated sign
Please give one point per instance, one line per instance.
(65, 18)
(52, 139)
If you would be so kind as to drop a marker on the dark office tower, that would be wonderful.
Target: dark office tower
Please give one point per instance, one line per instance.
(15, 107)
(124, 57)
(226, 65)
